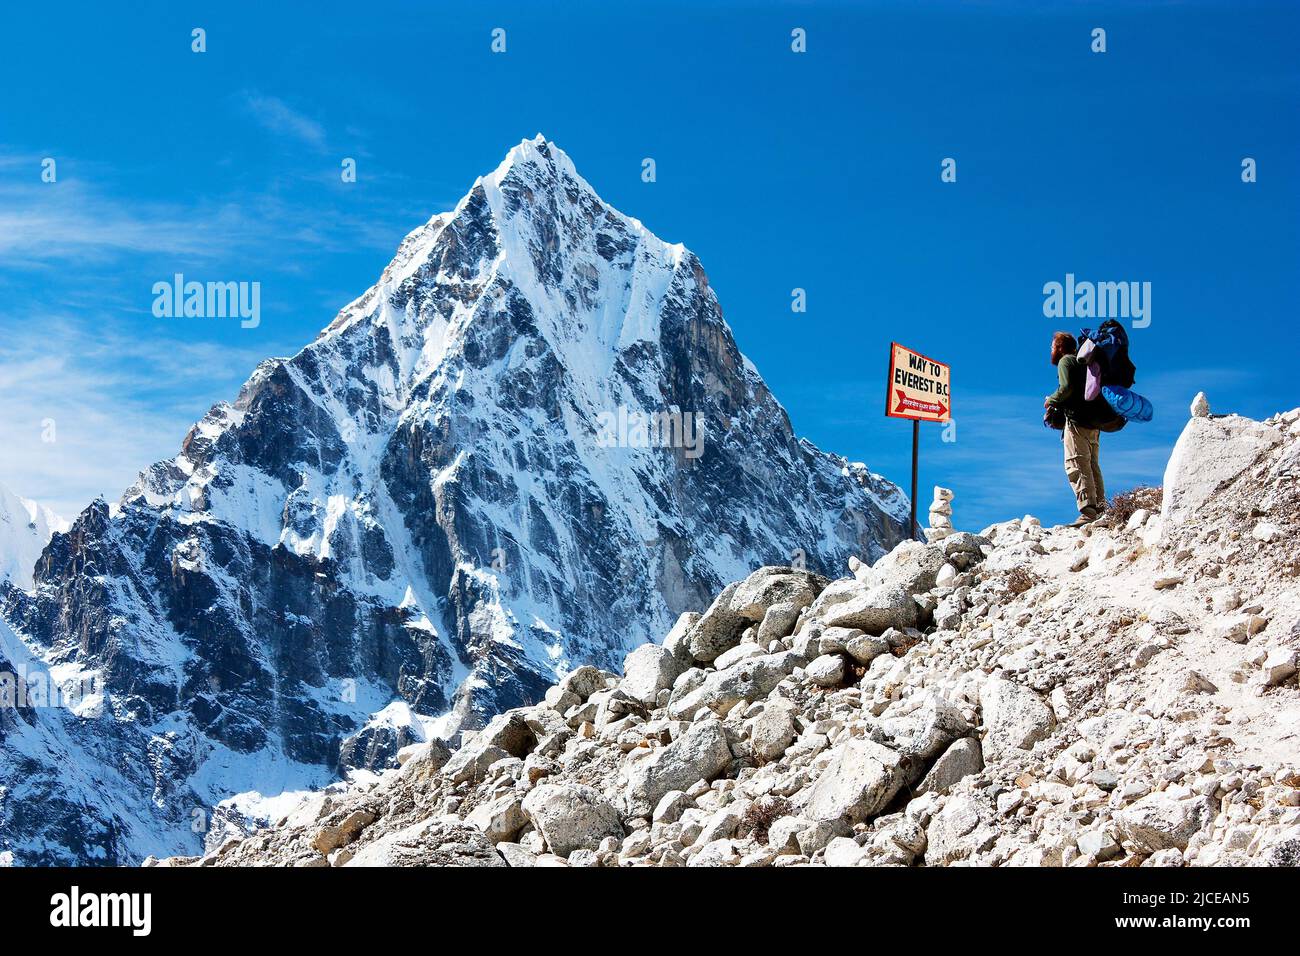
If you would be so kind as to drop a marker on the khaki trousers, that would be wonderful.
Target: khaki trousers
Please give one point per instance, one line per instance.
(1083, 466)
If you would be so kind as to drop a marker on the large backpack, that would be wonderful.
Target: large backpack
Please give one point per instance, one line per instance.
(1110, 372)
(1109, 352)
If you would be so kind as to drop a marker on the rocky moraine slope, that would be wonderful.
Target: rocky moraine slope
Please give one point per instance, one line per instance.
(1119, 695)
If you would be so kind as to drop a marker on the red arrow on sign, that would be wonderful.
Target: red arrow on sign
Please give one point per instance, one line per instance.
(915, 405)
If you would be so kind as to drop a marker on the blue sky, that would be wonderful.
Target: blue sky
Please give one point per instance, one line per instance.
(818, 171)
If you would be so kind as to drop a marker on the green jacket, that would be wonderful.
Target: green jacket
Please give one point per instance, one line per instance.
(1071, 379)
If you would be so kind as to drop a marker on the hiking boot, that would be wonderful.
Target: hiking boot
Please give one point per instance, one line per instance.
(1086, 517)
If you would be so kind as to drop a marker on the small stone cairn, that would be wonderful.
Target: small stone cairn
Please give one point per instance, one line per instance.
(940, 515)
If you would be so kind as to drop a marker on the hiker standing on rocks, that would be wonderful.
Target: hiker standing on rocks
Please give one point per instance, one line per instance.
(1081, 433)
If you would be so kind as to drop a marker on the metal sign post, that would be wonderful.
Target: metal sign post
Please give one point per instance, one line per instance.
(920, 389)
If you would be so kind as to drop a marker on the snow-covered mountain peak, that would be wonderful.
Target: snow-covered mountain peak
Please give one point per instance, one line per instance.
(540, 152)
(532, 229)
(531, 444)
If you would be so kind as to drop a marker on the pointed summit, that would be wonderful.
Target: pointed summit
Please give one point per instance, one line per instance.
(537, 149)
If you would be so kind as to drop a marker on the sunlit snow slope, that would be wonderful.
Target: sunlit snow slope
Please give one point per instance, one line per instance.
(25, 530)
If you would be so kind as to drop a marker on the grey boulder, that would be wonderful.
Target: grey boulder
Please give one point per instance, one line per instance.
(874, 609)
(717, 629)
(431, 842)
(648, 670)
(771, 585)
(858, 783)
(1160, 822)
(745, 681)
(1014, 716)
(827, 670)
(959, 761)
(701, 753)
(772, 731)
(778, 622)
(571, 817)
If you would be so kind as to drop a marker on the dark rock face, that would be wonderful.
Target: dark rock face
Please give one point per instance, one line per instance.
(430, 511)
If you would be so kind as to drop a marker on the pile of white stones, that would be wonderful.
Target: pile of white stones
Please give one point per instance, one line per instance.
(940, 515)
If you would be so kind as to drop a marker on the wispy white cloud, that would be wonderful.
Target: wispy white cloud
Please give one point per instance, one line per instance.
(114, 403)
(47, 222)
(274, 114)
(78, 346)
(44, 224)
